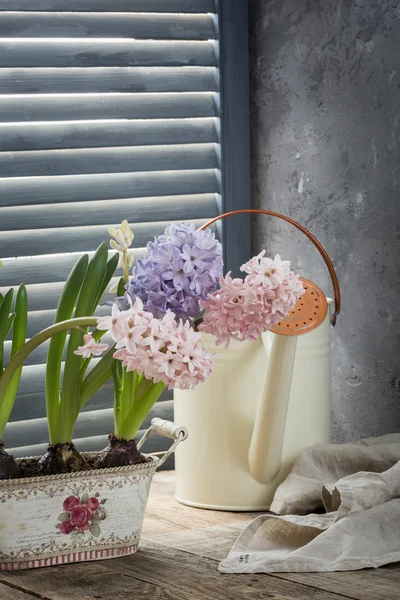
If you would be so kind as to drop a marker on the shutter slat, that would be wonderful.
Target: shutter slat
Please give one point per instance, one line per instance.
(94, 422)
(93, 53)
(107, 106)
(33, 376)
(43, 269)
(95, 443)
(172, 208)
(81, 188)
(71, 134)
(45, 296)
(38, 356)
(145, 6)
(33, 405)
(41, 319)
(109, 160)
(106, 79)
(47, 241)
(82, 25)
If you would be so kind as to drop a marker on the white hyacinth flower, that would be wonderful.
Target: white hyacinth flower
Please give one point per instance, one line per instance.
(123, 236)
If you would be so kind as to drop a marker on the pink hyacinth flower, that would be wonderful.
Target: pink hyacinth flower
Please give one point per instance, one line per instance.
(244, 309)
(270, 272)
(90, 347)
(163, 350)
(116, 323)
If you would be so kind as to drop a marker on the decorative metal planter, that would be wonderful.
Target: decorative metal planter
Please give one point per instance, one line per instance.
(78, 517)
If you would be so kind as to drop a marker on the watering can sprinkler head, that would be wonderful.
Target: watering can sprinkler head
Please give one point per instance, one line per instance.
(308, 314)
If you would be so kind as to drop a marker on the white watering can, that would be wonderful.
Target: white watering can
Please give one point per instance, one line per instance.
(265, 402)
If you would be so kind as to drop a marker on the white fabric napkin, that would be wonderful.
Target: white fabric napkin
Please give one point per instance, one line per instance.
(358, 485)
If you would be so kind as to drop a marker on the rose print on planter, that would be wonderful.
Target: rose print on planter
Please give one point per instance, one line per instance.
(70, 502)
(81, 514)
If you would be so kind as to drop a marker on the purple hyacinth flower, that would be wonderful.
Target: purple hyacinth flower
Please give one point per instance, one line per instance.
(180, 268)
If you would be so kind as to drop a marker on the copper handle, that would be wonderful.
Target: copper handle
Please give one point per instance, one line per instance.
(317, 244)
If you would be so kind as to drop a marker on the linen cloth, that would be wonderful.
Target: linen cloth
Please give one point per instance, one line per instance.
(358, 487)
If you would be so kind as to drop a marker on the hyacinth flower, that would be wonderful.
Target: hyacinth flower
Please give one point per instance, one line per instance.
(150, 355)
(12, 318)
(121, 242)
(155, 344)
(181, 268)
(244, 309)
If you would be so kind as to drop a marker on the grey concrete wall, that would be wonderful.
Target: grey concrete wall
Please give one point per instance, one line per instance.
(325, 79)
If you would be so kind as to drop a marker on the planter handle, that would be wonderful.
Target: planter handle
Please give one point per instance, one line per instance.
(166, 429)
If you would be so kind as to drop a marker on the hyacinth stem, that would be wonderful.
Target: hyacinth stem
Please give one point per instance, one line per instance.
(128, 393)
(116, 368)
(97, 377)
(134, 408)
(125, 268)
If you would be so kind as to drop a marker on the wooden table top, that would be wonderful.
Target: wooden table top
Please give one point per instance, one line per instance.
(178, 558)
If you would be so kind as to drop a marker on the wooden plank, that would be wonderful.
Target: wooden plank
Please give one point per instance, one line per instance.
(196, 578)
(107, 25)
(97, 53)
(159, 6)
(213, 542)
(97, 134)
(107, 160)
(368, 584)
(176, 518)
(108, 79)
(8, 592)
(101, 212)
(84, 581)
(180, 574)
(67, 107)
(70, 239)
(179, 517)
(83, 188)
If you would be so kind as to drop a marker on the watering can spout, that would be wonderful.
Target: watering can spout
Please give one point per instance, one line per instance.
(265, 451)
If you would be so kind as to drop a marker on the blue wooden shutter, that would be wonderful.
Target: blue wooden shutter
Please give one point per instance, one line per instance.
(109, 109)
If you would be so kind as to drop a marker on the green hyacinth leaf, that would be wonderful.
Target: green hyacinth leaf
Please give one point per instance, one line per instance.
(86, 305)
(55, 354)
(4, 316)
(18, 341)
